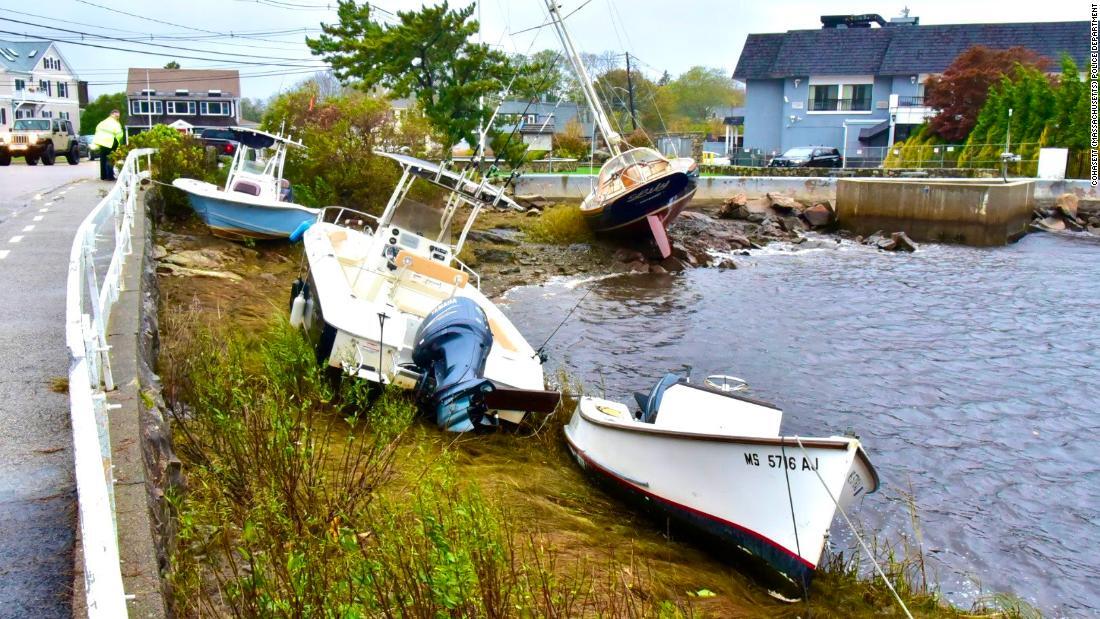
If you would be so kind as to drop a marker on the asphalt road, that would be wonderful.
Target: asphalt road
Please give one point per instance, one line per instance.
(40, 209)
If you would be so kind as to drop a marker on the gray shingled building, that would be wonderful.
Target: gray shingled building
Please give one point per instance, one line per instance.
(859, 80)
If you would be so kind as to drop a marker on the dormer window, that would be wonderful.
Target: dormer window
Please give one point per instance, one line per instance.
(182, 92)
(148, 92)
(32, 53)
(214, 93)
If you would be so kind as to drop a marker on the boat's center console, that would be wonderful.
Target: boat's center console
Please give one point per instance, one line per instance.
(398, 240)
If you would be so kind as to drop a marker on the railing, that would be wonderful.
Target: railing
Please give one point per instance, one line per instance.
(87, 310)
(910, 101)
(840, 105)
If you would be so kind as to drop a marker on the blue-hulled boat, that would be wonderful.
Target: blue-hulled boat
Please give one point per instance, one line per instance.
(256, 202)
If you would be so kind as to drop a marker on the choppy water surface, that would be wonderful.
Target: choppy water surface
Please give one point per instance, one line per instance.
(972, 375)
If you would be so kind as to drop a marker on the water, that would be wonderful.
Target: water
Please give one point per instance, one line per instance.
(971, 375)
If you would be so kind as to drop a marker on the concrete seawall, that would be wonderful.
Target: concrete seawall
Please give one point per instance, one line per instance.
(714, 189)
(972, 212)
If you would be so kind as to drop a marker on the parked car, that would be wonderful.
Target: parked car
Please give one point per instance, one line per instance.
(808, 157)
(40, 139)
(222, 140)
(86, 148)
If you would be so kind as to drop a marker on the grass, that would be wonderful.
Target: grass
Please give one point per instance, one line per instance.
(59, 384)
(561, 224)
(310, 499)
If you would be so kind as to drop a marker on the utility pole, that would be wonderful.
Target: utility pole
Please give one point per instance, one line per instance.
(630, 93)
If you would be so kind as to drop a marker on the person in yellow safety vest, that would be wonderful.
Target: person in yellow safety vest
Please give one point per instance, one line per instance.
(108, 135)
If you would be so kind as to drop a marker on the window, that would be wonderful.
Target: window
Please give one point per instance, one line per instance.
(840, 97)
(216, 108)
(64, 115)
(182, 92)
(181, 108)
(62, 90)
(531, 118)
(148, 91)
(141, 106)
(20, 85)
(44, 87)
(47, 114)
(3, 116)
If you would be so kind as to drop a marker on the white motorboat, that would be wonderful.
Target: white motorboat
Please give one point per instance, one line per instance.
(715, 461)
(256, 200)
(368, 291)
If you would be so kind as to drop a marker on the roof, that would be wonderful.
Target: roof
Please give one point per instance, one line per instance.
(24, 61)
(899, 50)
(167, 81)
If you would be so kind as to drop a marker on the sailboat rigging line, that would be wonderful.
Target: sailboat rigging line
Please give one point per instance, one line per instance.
(859, 537)
(516, 126)
(790, 501)
(545, 24)
(538, 353)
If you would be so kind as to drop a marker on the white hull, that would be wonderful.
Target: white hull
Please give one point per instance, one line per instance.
(350, 288)
(739, 489)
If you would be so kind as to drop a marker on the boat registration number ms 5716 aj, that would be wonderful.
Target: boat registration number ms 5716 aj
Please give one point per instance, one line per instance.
(775, 461)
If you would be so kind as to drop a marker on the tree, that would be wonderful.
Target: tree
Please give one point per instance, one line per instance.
(429, 54)
(961, 91)
(172, 65)
(341, 133)
(545, 76)
(101, 108)
(699, 91)
(252, 109)
(613, 90)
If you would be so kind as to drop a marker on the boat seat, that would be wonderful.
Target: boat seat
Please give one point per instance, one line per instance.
(423, 283)
(247, 187)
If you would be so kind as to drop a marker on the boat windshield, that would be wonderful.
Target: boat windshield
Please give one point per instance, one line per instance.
(615, 166)
(422, 211)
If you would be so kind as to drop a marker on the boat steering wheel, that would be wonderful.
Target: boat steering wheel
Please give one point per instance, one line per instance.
(725, 383)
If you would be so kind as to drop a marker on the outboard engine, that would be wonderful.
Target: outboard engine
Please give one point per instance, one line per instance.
(452, 345)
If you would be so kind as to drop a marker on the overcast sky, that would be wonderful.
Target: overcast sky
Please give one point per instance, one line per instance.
(665, 36)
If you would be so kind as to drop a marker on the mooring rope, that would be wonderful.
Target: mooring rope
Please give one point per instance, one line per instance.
(794, 521)
(859, 538)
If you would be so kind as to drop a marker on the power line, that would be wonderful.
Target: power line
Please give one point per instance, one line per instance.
(167, 23)
(163, 45)
(206, 78)
(162, 54)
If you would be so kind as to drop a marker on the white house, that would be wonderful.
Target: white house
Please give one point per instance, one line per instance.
(36, 82)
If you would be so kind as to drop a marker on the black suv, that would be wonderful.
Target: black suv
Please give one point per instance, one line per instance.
(223, 140)
(808, 157)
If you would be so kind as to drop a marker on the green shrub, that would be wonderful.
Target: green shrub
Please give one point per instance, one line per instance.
(179, 155)
(562, 224)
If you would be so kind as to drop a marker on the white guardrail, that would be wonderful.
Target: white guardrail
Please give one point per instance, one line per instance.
(88, 308)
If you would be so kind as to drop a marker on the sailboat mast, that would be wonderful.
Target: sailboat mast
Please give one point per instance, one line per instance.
(613, 138)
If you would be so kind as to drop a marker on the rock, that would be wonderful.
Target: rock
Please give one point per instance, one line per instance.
(902, 242)
(799, 240)
(672, 265)
(886, 244)
(1050, 224)
(818, 215)
(510, 271)
(196, 258)
(734, 212)
(727, 263)
(1073, 224)
(694, 215)
(739, 240)
(532, 213)
(159, 252)
(791, 224)
(534, 201)
(658, 269)
(269, 277)
(494, 255)
(638, 267)
(782, 203)
(1094, 221)
(629, 255)
(874, 238)
(489, 236)
(737, 199)
(1066, 204)
(175, 269)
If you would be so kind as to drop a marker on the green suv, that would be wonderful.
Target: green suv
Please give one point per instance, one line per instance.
(40, 139)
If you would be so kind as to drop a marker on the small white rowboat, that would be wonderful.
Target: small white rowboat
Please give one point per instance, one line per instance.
(715, 461)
